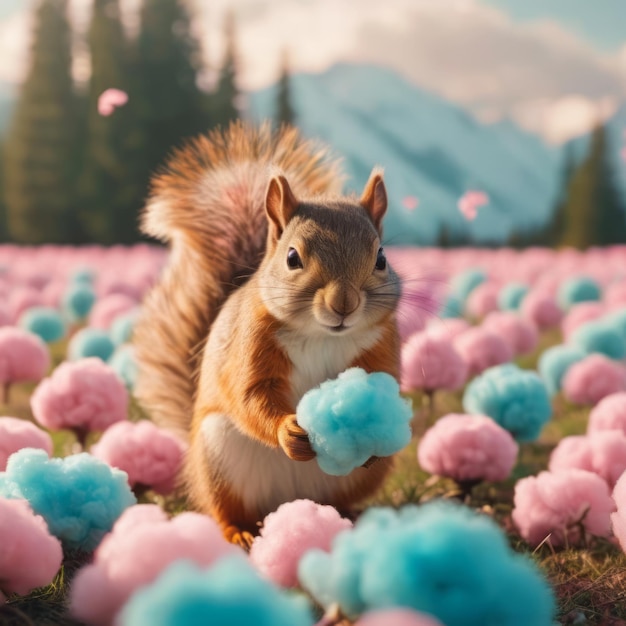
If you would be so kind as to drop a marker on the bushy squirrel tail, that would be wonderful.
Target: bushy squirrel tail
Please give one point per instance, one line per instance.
(208, 204)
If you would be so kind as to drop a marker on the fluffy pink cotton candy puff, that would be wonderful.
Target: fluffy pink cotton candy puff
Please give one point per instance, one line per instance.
(151, 456)
(569, 505)
(16, 433)
(293, 529)
(397, 617)
(141, 545)
(447, 328)
(592, 379)
(603, 453)
(579, 314)
(519, 333)
(430, 363)
(541, 309)
(107, 308)
(482, 349)
(31, 556)
(618, 519)
(84, 396)
(483, 299)
(608, 414)
(467, 448)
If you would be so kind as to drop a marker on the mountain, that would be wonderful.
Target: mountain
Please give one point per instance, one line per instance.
(430, 149)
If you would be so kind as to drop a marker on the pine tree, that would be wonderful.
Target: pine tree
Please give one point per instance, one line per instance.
(285, 113)
(225, 97)
(114, 178)
(41, 155)
(170, 103)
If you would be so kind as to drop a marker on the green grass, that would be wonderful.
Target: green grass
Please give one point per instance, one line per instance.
(590, 582)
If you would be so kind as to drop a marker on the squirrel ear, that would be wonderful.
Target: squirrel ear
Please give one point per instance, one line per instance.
(374, 198)
(280, 203)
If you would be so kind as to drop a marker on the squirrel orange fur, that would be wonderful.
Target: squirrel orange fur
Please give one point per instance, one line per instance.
(274, 284)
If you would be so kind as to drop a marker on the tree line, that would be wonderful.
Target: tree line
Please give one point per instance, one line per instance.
(71, 175)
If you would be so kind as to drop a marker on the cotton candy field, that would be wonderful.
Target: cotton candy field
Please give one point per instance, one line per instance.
(506, 507)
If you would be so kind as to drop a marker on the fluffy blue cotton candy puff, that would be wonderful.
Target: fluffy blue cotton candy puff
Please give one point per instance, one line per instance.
(510, 296)
(78, 300)
(354, 417)
(517, 399)
(439, 558)
(79, 496)
(465, 282)
(578, 289)
(124, 364)
(554, 363)
(452, 307)
(229, 593)
(43, 321)
(90, 342)
(600, 337)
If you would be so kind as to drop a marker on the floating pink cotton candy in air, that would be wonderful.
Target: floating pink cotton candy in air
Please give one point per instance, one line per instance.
(410, 203)
(482, 349)
(608, 414)
(141, 545)
(430, 363)
(110, 99)
(521, 335)
(470, 202)
(151, 456)
(293, 529)
(593, 378)
(30, 556)
(16, 433)
(563, 505)
(467, 448)
(83, 396)
(397, 617)
(618, 519)
(603, 453)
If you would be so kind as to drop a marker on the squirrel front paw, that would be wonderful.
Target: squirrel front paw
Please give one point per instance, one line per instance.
(294, 440)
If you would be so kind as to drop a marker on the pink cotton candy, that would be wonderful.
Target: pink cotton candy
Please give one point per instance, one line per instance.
(107, 308)
(579, 314)
(22, 299)
(23, 356)
(609, 414)
(83, 395)
(467, 448)
(448, 328)
(559, 503)
(482, 299)
(430, 363)
(618, 519)
(141, 545)
(592, 379)
(151, 456)
(410, 203)
(293, 529)
(110, 99)
(541, 309)
(30, 556)
(470, 202)
(603, 453)
(482, 349)
(397, 617)
(16, 433)
(614, 296)
(520, 334)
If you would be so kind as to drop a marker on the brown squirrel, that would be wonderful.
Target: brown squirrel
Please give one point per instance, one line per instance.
(274, 284)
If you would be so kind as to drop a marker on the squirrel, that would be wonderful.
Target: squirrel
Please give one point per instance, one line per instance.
(274, 283)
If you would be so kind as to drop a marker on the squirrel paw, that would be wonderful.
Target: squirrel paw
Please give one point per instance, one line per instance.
(241, 538)
(294, 440)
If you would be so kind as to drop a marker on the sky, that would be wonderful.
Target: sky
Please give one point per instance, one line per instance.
(553, 66)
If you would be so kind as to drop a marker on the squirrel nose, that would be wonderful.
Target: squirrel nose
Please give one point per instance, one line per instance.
(343, 300)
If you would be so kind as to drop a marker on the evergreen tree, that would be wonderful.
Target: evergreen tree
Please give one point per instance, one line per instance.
(285, 113)
(594, 209)
(41, 155)
(170, 103)
(225, 97)
(114, 178)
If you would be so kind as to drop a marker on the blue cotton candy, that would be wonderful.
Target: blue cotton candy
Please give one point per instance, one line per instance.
(83, 276)
(554, 363)
(465, 282)
(578, 289)
(452, 307)
(90, 342)
(80, 497)
(122, 328)
(516, 399)
(45, 322)
(599, 337)
(617, 321)
(230, 593)
(78, 300)
(440, 558)
(511, 295)
(354, 417)
(125, 366)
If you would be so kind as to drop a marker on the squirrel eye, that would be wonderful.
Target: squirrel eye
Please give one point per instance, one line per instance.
(381, 261)
(293, 259)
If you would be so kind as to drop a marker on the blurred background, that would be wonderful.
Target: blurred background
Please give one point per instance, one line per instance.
(519, 101)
